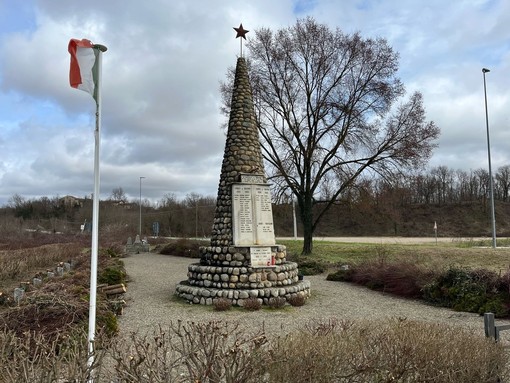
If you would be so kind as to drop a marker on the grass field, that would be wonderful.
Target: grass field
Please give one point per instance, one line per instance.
(472, 253)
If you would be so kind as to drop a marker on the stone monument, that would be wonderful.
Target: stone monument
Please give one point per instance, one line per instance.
(243, 259)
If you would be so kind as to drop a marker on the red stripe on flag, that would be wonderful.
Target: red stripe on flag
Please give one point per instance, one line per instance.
(74, 71)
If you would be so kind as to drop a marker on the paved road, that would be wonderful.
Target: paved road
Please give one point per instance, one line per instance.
(395, 240)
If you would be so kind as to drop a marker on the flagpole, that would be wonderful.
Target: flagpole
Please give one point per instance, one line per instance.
(95, 213)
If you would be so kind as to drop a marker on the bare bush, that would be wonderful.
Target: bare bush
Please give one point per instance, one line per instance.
(323, 351)
(396, 350)
(252, 304)
(400, 277)
(220, 352)
(189, 352)
(150, 358)
(276, 302)
(33, 358)
(297, 300)
(222, 304)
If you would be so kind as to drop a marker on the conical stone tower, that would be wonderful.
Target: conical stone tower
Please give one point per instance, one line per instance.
(242, 155)
(243, 259)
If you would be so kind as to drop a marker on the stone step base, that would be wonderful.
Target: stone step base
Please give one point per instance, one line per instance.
(207, 295)
(285, 274)
(237, 256)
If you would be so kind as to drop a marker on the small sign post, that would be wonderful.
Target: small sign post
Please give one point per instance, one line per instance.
(155, 229)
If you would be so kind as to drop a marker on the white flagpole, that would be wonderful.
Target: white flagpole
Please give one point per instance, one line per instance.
(95, 213)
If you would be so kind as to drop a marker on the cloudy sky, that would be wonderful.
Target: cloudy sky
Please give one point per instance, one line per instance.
(161, 77)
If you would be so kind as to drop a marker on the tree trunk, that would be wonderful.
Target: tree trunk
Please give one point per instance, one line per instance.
(307, 221)
(307, 239)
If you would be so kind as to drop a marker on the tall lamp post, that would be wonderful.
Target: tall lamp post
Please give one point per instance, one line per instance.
(140, 226)
(491, 184)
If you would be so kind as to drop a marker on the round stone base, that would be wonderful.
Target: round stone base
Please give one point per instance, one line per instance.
(207, 295)
(228, 277)
(236, 256)
(227, 272)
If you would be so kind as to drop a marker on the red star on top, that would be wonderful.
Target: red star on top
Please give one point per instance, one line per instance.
(241, 32)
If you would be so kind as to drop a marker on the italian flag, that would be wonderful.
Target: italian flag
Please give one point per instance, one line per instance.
(83, 72)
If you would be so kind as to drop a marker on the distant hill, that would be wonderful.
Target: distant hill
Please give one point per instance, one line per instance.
(469, 219)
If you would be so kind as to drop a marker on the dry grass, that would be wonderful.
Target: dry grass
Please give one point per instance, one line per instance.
(334, 351)
(60, 305)
(23, 264)
(396, 350)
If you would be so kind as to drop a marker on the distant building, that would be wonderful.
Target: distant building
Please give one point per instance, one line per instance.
(70, 201)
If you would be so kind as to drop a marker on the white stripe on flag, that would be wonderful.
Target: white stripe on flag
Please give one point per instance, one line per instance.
(86, 60)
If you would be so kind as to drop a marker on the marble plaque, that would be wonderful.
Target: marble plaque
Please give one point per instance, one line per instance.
(252, 215)
(252, 179)
(261, 257)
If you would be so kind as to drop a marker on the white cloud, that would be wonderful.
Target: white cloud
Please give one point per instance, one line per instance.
(161, 78)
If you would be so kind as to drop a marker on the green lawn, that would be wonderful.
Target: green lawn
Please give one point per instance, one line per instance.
(473, 254)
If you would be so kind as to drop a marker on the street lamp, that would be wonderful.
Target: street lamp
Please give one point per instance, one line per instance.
(491, 184)
(140, 227)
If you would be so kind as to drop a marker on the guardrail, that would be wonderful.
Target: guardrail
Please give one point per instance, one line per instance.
(491, 329)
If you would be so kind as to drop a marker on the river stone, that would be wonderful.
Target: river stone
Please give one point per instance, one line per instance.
(272, 276)
(243, 294)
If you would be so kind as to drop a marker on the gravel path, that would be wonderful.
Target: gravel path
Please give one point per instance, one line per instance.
(151, 302)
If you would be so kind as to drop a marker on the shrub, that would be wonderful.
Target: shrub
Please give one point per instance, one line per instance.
(114, 251)
(190, 352)
(496, 305)
(4, 299)
(401, 278)
(112, 275)
(476, 291)
(394, 350)
(252, 304)
(34, 358)
(309, 266)
(297, 300)
(182, 248)
(333, 351)
(342, 275)
(276, 302)
(107, 323)
(222, 304)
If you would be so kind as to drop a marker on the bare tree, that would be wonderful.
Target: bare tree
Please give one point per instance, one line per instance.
(22, 207)
(444, 182)
(482, 181)
(325, 103)
(118, 195)
(503, 182)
